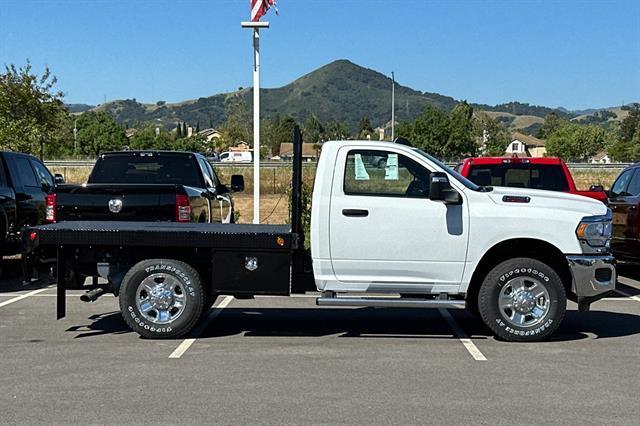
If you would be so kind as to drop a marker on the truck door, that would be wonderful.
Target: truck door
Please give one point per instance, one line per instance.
(29, 191)
(7, 205)
(385, 233)
(624, 200)
(220, 203)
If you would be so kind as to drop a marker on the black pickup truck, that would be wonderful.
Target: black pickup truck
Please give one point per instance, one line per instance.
(149, 186)
(24, 184)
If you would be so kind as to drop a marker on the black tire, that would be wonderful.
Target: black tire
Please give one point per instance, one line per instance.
(184, 283)
(533, 278)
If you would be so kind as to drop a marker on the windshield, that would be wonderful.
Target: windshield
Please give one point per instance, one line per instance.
(463, 180)
(146, 169)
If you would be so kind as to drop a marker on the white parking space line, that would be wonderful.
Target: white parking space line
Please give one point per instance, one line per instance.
(22, 296)
(186, 343)
(462, 336)
(48, 295)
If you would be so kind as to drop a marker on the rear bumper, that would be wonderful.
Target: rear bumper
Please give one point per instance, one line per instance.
(592, 277)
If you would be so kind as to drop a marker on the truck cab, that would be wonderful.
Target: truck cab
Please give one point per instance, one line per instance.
(384, 230)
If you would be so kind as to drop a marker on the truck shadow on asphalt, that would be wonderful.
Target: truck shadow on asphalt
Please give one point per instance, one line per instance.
(107, 323)
(369, 323)
(399, 323)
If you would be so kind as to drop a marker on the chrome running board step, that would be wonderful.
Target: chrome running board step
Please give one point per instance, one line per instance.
(389, 302)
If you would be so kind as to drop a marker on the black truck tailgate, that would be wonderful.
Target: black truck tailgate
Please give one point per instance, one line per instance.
(138, 202)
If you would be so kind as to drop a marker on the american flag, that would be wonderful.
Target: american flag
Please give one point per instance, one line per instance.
(260, 7)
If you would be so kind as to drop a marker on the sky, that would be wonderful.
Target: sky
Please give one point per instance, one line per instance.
(575, 54)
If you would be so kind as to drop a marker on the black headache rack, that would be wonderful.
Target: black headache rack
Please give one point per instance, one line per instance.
(223, 254)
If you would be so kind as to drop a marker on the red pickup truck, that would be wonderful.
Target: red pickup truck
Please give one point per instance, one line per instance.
(548, 173)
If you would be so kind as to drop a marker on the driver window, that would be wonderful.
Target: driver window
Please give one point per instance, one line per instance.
(205, 172)
(383, 173)
(44, 177)
(618, 188)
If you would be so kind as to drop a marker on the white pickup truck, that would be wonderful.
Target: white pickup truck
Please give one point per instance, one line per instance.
(406, 231)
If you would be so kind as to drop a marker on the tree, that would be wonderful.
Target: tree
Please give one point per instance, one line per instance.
(99, 132)
(238, 124)
(364, 128)
(429, 131)
(461, 140)
(152, 137)
(178, 131)
(185, 132)
(196, 143)
(198, 126)
(574, 142)
(631, 123)
(32, 115)
(313, 129)
(552, 122)
(337, 130)
(625, 144)
(497, 136)
(276, 131)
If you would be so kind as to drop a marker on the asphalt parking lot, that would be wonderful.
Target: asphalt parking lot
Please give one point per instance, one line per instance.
(284, 360)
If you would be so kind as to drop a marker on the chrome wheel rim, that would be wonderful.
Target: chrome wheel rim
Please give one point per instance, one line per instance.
(524, 302)
(160, 298)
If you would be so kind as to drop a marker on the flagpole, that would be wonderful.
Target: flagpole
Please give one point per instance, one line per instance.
(393, 106)
(256, 114)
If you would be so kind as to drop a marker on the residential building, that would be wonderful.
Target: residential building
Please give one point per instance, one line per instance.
(522, 145)
(310, 151)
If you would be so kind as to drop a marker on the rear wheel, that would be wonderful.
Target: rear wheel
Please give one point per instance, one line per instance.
(161, 298)
(522, 300)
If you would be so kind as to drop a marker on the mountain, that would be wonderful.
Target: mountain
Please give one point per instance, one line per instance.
(341, 91)
(338, 91)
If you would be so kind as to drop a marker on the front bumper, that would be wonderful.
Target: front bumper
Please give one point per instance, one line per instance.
(592, 278)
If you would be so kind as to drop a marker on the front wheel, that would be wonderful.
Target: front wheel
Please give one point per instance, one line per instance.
(161, 298)
(522, 300)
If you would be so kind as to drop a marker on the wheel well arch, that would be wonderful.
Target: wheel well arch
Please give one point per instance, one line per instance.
(518, 247)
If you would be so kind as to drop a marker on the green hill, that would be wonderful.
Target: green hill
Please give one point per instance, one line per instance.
(339, 91)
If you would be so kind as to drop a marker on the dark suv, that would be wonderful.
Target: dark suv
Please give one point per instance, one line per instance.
(624, 200)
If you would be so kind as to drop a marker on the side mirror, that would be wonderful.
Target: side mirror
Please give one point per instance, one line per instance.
(58, 179)
(596, 188)
(237, 183)
(440, 189)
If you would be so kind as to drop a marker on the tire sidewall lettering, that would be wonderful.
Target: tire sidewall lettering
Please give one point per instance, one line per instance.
(141, 322)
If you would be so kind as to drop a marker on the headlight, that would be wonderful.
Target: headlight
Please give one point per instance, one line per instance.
(595, 231)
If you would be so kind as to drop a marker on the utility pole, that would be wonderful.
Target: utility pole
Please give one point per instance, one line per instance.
(256, 114)
(393, 106)
(75, 137)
